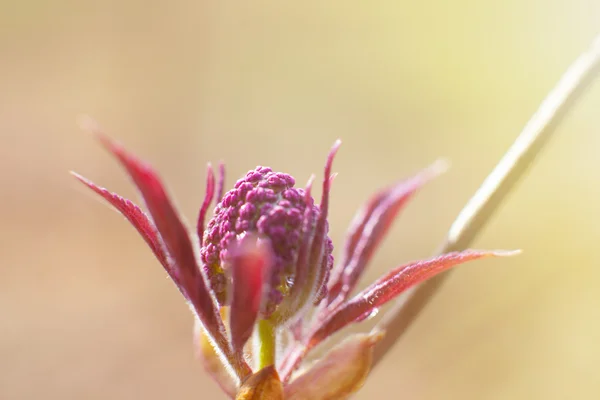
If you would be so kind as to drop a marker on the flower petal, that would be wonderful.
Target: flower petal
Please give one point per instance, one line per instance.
(250, 264)
(338, 374)
(263, 385)
(389, 287)
(211, 362)
(369, 228)
(135, 216)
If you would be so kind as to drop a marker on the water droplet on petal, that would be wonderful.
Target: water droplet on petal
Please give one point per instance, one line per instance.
(368, 315)
(373, 313)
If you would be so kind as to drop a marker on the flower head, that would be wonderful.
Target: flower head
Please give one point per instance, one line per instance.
(265, 270)
(267, 204)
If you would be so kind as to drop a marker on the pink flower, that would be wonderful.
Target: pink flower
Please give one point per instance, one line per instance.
(263, 268)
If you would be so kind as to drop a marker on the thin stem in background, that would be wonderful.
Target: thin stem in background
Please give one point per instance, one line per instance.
(494, 189)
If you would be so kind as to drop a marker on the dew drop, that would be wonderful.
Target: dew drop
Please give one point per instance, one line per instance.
(372, 314)
(368, 315)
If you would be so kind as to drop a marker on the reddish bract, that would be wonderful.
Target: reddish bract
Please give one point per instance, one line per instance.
(250, 261)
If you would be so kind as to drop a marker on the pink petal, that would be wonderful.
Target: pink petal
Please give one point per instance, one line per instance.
(208, 197)
(250, 264)
(135, 216)
(369, 229)
(389, 287)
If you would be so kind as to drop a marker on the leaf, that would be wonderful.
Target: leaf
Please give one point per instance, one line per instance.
(212, 363)
(208, 197)
(173, 232)
(369, 228)
(250, 264)
(220, 183)
(369, 300)
(185, 272)
(317, 257)
(263, 385)
(341, 372)
(389, 287)
(293, 302)
(135, 216)
(312, 270)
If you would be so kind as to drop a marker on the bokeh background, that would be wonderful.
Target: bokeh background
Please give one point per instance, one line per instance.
(87, 313)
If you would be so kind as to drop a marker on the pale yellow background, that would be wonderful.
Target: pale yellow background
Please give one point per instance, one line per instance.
(87, 313)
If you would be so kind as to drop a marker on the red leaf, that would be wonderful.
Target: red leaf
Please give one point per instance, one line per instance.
(220, 183)
(389, 287)
(316, 272)
(175, 235)
(353, 236)
(208, 196)
(368, 230)
(135, 216)
(310, 264)
(250, 263)
(292, 303)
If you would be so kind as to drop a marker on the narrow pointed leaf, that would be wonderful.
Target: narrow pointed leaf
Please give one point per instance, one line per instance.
(208, 197)
(322, 225)
(316, 274)
(220, 183)
(172, 230)
(250, 264)
(263, 385)
(338, 374)
(369, 300)
(292, 303)
(357, 227)
(135, 216)
(176, 237)
(390, 286)
(211, 362)
(369, 228)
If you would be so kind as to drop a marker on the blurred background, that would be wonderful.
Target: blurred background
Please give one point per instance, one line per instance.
(87, 312)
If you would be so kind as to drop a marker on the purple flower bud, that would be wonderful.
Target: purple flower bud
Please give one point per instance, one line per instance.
(265, 203)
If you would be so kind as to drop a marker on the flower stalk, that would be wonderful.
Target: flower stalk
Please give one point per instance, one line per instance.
(486, 200)
(267, 343)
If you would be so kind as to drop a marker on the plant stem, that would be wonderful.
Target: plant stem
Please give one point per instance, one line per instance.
(267, 343)
(494, 189)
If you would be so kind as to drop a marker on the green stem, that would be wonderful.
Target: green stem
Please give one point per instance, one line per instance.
(267, 343)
